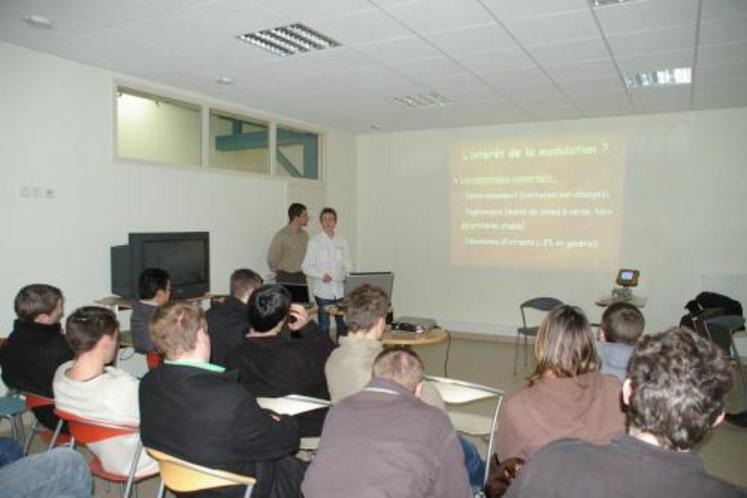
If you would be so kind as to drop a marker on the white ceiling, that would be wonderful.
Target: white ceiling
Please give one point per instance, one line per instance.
(499, 61)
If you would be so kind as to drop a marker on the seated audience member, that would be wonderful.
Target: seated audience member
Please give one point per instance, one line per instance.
(154, 289)
(348, 368)
(88, 388)
(675, 392)
(10, 451)
(36, 346)
(196, 411)
(622, 325)
(566, 396)
(228, 322)
(57, 473)
(384, 442)
(273, 363)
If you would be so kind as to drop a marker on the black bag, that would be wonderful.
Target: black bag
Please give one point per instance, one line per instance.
(707, 305)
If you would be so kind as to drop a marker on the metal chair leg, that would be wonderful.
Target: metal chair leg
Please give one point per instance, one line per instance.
(56, 434)
(27, 446)
(516, 352)
(162, 490)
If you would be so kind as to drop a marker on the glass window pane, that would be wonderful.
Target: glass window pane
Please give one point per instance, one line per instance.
(157, 128)
(238, 143)
(297, 153)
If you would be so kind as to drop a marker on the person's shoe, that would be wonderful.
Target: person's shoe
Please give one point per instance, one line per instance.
(739, 419)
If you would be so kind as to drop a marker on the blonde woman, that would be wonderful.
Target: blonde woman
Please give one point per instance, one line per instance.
(566, 395)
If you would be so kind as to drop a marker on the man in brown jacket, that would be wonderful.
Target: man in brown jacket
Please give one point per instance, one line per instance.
(384, 442)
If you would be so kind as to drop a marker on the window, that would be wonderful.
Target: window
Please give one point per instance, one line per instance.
(238, 143)
(156, 128)
(297, 153)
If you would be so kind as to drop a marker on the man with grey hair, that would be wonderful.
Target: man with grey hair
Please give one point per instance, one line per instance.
(384, 442)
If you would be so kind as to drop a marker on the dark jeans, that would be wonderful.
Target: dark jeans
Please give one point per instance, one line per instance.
(10, 451)
(342, 329)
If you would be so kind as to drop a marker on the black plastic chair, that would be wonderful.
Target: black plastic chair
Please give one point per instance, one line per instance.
(542, 304)
(720, 330)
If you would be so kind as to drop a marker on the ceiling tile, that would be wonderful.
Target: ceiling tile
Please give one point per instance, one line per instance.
(728, 53)
(580, 70)
(719, 101)
(724, 31)
(555, 28)
(205, 22)
(612, 86)
(723, 9)
(436, 15)
(646, 15)
(656, 60)
(644, 42)
(507, 10)
(431, 67)
(719, 87)
(395, 51)
(605, 107)
(517, 78)
(662, 99)
(569, 51)
(101, 48)
(362, 27)
(486, 62)
(311, 10)
(472, 39)
(719, 71)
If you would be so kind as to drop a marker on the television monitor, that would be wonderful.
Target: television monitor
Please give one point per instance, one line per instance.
(184, 255)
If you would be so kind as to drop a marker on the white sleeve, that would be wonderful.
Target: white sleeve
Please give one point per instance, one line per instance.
(310, 265)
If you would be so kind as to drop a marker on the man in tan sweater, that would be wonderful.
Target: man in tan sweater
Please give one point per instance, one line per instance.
(288, 247)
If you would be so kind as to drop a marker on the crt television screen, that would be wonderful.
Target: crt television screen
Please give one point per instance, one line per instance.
(183, 259)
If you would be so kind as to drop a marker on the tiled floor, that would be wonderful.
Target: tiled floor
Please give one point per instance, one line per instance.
(490, 362)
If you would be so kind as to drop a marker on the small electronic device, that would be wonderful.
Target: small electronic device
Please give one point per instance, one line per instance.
(415, 325)
(627, 277)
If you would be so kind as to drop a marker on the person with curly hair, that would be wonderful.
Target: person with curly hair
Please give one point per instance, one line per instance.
(675, 391)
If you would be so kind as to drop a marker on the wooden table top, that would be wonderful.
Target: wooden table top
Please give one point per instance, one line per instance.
(401, 338)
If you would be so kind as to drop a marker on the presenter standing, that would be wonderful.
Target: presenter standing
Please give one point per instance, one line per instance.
(326, 263)
(288, 247)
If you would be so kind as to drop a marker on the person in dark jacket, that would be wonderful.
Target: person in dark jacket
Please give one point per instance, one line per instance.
(675, 392)
(284, 353)
(36, 346)
(198, 412)
(228, 322)
(154, 289)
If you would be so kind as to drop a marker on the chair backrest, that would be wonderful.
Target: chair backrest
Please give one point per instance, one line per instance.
(35, 400)
(182, 476)
(86, 430)
(459, 392)
(293, 404)
(720, 330)
(540, 304)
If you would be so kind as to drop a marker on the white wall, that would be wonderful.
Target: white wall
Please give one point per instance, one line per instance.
(684, 217)
(56, 131)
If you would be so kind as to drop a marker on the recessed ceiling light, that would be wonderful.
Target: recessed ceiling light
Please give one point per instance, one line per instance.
(289, 40)
(375, 127)
(38, 21)
(605, 3)
(661, 77)
(432, 99)
(224, 80)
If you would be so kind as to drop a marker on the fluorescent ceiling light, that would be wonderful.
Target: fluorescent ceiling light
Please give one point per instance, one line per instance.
(432, 99)
(289, 40)
(662, 77)
(604, 3)
(38, 21)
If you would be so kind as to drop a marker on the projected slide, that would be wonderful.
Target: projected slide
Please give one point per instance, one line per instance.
(542, 203)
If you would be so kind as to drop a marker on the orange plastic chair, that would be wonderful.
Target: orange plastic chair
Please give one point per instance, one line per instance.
(52, 438)
(84, 430)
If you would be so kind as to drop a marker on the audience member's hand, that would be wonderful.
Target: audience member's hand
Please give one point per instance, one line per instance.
(327, 278)
(298, 312)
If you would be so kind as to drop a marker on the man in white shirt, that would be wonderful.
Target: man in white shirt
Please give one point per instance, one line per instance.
(326, 263)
